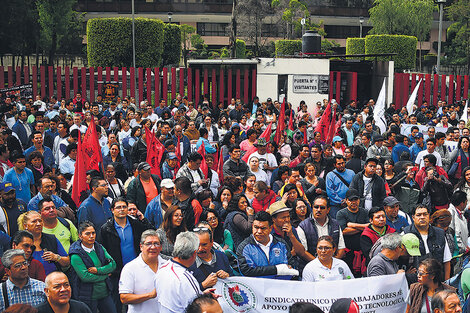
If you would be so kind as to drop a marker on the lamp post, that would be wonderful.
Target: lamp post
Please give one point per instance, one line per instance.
(170, 15)
(439, 40)
(133, 36)
(361, 21)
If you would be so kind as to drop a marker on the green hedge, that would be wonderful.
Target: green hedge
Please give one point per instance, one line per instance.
(110, 42)
(405, 46)
(172, 44)
(288, 47)
(240, 49)
(355, 46)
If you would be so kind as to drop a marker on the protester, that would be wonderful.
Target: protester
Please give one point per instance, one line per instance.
(19, 286)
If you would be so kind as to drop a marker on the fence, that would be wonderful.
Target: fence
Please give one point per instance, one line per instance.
(432, 88)
(149, 83)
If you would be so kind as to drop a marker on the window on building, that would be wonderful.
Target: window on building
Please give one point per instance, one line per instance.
(212, 29)
(343, 32)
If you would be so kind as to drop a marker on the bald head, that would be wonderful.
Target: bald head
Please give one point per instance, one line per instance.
(54, 276)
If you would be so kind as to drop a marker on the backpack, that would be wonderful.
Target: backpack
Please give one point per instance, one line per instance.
(66, 223)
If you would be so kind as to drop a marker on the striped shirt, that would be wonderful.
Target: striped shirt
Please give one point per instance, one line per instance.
(32, 293)
(176, 287)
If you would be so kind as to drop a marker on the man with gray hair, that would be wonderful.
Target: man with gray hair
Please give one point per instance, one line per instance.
(384, 263)
(137, 282)
(176, 287)
(19, 288)
(446, 301)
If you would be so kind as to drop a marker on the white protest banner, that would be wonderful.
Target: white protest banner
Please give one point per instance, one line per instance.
(382, 294)
(405, 129)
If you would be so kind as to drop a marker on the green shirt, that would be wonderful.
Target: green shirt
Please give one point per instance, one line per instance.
(65, 236)
(100, 290)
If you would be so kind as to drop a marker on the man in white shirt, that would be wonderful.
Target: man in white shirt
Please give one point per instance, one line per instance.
(77, 123)
(267, 161)
(176, 287)
(430, 149)
(137, 282)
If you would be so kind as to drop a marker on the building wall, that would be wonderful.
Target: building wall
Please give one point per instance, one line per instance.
(269, 69)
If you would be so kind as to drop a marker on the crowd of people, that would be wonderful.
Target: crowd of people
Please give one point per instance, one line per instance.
(294, 205)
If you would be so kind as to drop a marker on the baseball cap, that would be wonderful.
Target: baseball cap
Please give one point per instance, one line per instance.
(269, 99)
(411, 243)
(277, 207)
(167, 183)
(344, 305)
(352, 194)
(143, 166)
(419, 135)
(171, 156)
(390, 201)
(337, 138)
(6, 187)
(261, 142)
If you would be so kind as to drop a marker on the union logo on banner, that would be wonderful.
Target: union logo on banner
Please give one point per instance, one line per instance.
(239, 296)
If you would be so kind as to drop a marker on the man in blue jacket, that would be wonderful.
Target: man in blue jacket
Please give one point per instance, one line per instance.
(262, 255)
(337, 183)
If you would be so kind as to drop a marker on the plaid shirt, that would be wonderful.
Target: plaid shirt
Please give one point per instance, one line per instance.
(32, 293)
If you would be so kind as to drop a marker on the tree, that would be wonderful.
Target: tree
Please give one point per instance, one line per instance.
(292, 11)
(186, 31)
(403, 17)
(249, 20)
(55, 19)
(19, 29)
(458, 34)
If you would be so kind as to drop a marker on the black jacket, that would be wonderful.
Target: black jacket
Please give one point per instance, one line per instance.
(110, 240)
(378, 188)
(436, 243)
(136, 192)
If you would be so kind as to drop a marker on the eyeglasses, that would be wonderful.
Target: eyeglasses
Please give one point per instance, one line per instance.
(152, 244)
(324, 248)
(321, 207)
(20, 265)
(420, 273)
(201, 229)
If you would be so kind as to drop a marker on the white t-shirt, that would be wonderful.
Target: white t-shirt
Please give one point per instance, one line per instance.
(315, 271)
(420, 161)
(368, 190)
(263, 158)
(261, 176)
(138, 278)
(176, 288)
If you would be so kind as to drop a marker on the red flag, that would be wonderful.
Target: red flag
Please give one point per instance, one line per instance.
(266, 135)
(155, 151)
(79, 178)
(91, 148)
(204, 167)
(178, 154)
(220, 167)
(281, 124)
(291, 122)
(324, 124)
(333, 130)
